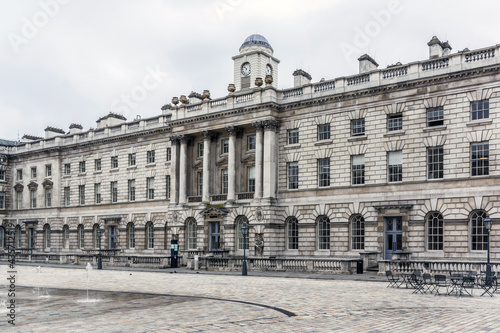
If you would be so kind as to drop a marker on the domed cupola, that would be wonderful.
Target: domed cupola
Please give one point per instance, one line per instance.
(255, 61)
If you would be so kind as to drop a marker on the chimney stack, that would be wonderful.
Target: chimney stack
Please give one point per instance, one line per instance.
(301, 78)
(366, 64)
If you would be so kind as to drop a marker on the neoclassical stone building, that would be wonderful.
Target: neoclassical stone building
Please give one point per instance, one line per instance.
(398, 164)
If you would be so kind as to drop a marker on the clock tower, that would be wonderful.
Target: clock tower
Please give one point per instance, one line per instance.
(255, 60)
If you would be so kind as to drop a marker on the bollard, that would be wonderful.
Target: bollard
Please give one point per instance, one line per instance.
(196, 262)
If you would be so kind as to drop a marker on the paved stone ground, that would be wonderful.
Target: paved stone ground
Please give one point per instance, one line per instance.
(163, 301)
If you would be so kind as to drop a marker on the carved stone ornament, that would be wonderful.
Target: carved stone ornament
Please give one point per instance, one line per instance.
(231, 88)
(259, 245)
(175, 216)
(269, 80)
(47, 183)
(175, 100)
(258, 214)
(184, 99)
(259, 82)
(206, 94)
(32, 186)
(18, 187)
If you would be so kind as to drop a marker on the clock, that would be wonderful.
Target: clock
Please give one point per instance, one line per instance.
(269, 70)
(245, 69)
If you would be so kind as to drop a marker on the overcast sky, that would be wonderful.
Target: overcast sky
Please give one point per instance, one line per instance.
(73, 61)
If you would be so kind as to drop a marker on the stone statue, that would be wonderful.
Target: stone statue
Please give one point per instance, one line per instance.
(259, 245)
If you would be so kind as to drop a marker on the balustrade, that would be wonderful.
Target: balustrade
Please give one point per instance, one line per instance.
(293, 92)
(479, 55)
(435, 64)
(359, 79)
(324, 86)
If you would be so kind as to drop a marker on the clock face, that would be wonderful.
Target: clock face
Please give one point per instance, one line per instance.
(245, 69)
(269, 70)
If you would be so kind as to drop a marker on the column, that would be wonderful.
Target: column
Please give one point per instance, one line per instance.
(258, 158)
(231, 164)
(173, 170)
(206, 166)
(270, 159)
(182, 170)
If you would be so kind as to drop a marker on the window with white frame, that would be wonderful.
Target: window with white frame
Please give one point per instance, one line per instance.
(225, 146)
(292, 226)
(242, 241)
(48, 197)
(81, 194)
(97, 164)
(81, 236)
(81, 167)
(150, 156)
(479, 158)
(395, 166)
(358, 127)
(47, 236)
(394, 122)
(19, 174)
(251, 143)
(169, 154)
(67, 169)
(131, 189)
(192, 237)
(95, 236)
(131, 159)
(224, 181)
(150, 236)
(358, 169)
(293, 136)
(114, 162)
(19, 199)
(323, 132)
(435, 158)
(251, 179)
(478, 232)
(324, 172)
(168, 186)
(48, 170)
(199, 183)
(434, 231)
(150, 181)
(2, 174)
(67, 196)
(131, 235)
(480, 110)
(323, 227)
(357, 232)
(114, 191)
(293, 175)
(33, 173)
(33, 198)
(435, 116)
(200, 149)
(2, 200)
(97, 193)
(66, 237)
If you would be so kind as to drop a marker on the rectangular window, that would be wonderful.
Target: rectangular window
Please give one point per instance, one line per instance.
(67, 169)
(151, 156)
(251, 179)
(200, 149)
(67, 196)
(169, 154)
(81, 167)
(479, 159)
(168, 187)
(33, 198)
(114, 162)
(224, 181)
(199, 183)
(293, 136)
(48, 170)
(33, 173)
(131, 190)
(435, 163)
(48, 197)
(97, 193)
(19, 174)
(358, 169)
(323, 132)
(151, 187)
(480, 110)
(225, 146)
(81, 194)
(358, 127)
(435, 116)
(324, 172)
(19, 200)
(2, 200)
(293, 175)
(395, 166)
(97, 164)
(2, 174)
(131, 159)
(251, 142)
(114, 191)
(395, 122)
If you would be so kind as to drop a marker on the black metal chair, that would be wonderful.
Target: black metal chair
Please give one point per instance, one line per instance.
(440, 282)
(393, 280)
(428, 284)
(468, 283)
(418, 284)
(489, 287)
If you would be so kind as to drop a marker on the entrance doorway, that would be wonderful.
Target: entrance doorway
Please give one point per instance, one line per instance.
(393, 236)
(112, 237)
(214, 236)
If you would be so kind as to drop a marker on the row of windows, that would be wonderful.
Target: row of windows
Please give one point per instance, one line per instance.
(479, 166)
(435, 117)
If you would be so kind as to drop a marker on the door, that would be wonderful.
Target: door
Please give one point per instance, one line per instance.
(214, 236)
(393, 236)
(112, 237)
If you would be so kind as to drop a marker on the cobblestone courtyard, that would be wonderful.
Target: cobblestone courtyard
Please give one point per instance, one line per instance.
(138, 301)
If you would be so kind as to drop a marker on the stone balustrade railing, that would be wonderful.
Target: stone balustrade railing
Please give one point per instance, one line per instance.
(436, 267)
(417, 70)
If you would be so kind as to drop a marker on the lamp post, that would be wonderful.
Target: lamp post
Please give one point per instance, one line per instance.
(244, 229)
(487, 225)
(99, 260)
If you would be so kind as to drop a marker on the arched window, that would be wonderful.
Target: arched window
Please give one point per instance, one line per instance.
(95, 236)
(46, 232)
(292, 229)
(357, 232)
(81, 236)
(150, 235)
(66, 236)
(18, 231)
(323, 223)
(2, 237)
(434, 231)
(131, 235)
(479, 235)
(192, 241)
(242, 243)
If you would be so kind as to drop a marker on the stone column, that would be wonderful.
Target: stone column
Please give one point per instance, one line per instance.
(206, 166)
(183, 170)
(270, 158)
(173, 170)
(231, 164)
(258, 158)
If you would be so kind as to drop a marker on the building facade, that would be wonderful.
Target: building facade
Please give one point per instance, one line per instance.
(394, 164)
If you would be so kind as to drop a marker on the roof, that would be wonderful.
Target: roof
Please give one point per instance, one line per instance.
(256, 39)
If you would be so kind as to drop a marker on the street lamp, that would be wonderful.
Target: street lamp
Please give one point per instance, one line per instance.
(244, 229)
(99, 260)
(487, 225)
